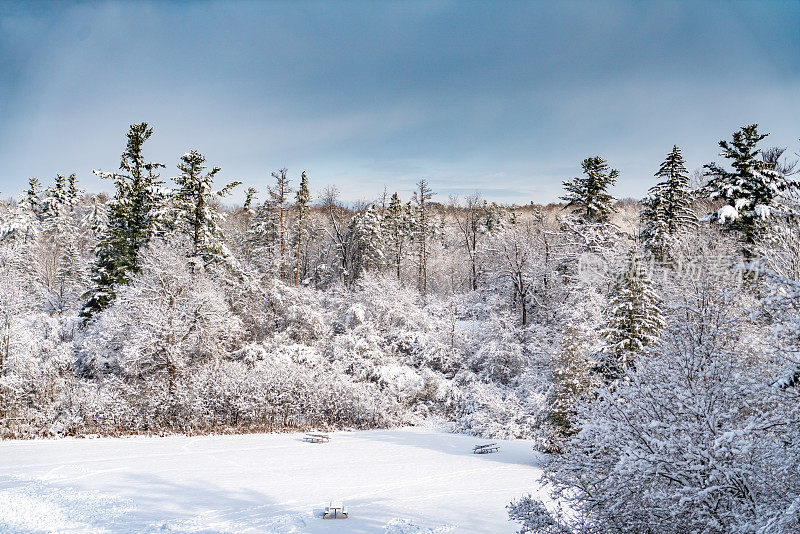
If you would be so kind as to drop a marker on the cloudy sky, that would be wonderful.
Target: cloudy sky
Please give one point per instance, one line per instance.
(501, 98)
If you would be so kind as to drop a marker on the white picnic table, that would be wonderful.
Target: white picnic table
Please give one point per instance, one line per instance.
(334, 509)
(316, 438)
(485, 448)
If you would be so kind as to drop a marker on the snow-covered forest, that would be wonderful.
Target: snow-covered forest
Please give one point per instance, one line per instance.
(650, 348)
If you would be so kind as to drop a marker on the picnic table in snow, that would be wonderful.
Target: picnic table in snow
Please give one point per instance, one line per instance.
(334, 509)
(485, 449)
(316, 438)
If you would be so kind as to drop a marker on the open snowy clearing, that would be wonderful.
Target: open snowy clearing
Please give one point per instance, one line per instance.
(394, 481)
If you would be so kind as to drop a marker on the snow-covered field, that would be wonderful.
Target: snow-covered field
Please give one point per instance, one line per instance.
(396, 481)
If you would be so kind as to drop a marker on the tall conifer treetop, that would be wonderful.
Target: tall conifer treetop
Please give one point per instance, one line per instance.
(135, 215)
(397, 228)
(752, 190)
(668, 206)
(589, 193)
(303, 201)
(196, 215)
(250, 195)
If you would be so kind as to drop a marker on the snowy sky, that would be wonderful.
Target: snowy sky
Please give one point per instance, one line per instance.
(503, 98)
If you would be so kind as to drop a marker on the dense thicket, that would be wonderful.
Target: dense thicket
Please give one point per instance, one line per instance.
(656, 363)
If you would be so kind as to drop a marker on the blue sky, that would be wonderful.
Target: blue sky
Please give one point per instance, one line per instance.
(501, 98)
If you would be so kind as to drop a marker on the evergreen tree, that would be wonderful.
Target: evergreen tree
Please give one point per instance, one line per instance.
(421, 229)
(633, 319)
(32, 200)
(572, 379)
(668, 206)
(59, 242)
(72, 190)
(367, 234)
(303, 200)
(395, 227)
(96, 218)
(590, 193)
(279, 194)
(410, 217)
(262, 235)
(56, 199)
(250, 195)
(135, 215)
(492, 217)
(752, 190)
(196, 215)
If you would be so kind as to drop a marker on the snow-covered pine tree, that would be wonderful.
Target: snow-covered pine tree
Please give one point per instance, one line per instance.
(21, 222)
(195, 214)
(513, 218)
(572, 379)
(493, 217)
(245, 216)
(72, 190)
(668, 207)
(56, 199)
(250, 195)
(59, 202)
(751, 191)
(135, 215)
(280, 198)
(421, 229)
(395, 227)
(32, 200)
(68, 270)
(262, 235)
(633, 319)
(49, 228)
(96, 217)
(303, 200)
(590, 193)
(367, 234)
(410, 218)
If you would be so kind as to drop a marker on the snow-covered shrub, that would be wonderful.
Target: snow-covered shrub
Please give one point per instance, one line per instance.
(496, 352)
(484, 409)
(38, 370)
(170, 315)
(695, 439)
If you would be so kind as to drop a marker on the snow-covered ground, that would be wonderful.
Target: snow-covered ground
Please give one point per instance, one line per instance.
(396, 481)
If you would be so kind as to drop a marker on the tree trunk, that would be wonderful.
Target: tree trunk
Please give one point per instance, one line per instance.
(283, 243)
(524, 310)
(172, 372)
(299, 246)
(474, 273)
(399, 256)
